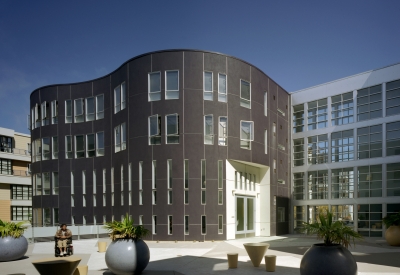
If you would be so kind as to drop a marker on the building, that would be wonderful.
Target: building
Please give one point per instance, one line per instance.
(346, 150)
(15, 181)
(191, 144)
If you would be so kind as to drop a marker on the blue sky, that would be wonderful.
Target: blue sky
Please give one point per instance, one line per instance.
(297, 43)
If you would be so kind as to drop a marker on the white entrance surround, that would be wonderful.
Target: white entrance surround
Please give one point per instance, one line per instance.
(261, 194)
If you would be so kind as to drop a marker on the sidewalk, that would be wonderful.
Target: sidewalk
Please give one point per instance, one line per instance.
(373, 256)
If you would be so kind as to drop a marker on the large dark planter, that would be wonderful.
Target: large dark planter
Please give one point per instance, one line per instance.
(126, 257)
(12, 248)
(392, 235)
(320, 259)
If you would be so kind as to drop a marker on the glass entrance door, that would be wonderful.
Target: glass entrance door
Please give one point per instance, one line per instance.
(244, 216)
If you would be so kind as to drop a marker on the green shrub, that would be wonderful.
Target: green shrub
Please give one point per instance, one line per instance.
(392, 219)
(125, 229)
(11, 229)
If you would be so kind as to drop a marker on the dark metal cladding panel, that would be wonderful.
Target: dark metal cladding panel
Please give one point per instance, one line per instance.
(193, 70)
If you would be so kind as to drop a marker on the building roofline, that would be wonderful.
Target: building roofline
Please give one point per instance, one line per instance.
(22, 134)
(341, 79)
(154, 52)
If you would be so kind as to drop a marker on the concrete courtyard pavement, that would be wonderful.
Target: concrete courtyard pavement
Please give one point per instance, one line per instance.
(373, 256)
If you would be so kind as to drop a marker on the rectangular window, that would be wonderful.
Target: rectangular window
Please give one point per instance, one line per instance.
(38, 190)
(55, 183)
(99, 106)
(117, 138)
(140, 219)
(80, 146)
(298, 156)
(298, 118)
(47, 217)
(21, 192)
(45, 113)
(94, 182)
(208, 130)
(90, 112)
(100, 144)
(169, 196)
(46, 183)
(84, 201)
(318, 149)
(265, 103)
(21, 213)
(54, 149)
(38, 115)
(298, 186)
(203, 196)
(220, 224)
(222, 90)
(342, 146)
(169, 173)
(343, 213)
(186, 179)
(123, 96)
(318, 185)
(223, 131)
(186, 225)
(220, 174)
(140, 175)
(393, 138)
(393, 98)
(369, 103)
(54, 112)
(246, 134)
(203, 225)
(72, 183)
(172, 85)
(220, 197)
(83, 182)
(154, 225)
(245, 94)
(154, 174)
(266, 141)
(172, 128)
(370, 220)
(78, 107)
(203, 173)
(68, 147)
(68, 111)
(32, 119)
(369, 141)
(154, 86)
(370, 181)
(342, 109)
(123, 136)
(119, 98)
(104, 180)
(170, 225)
(342, 183)
(45, 148)
(90, 146)
(104, 200)
(208, 86)
(317, 114)
(130, 177)
(154, 130)
(140, 197)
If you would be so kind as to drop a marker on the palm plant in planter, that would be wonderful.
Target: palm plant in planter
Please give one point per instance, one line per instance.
(128, 253)
(392, 235)
(331, 256)
(12, 242)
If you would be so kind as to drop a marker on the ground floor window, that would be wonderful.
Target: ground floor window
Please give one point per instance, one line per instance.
(21, 213)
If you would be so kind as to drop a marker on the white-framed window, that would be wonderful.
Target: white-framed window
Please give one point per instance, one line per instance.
(220, 197)
(37, 115)
(220, 224)
(55, 183)
(246, 134)
(45, 148)
(68, 111)
(140, 175)
(45, 113)
(32, 119)
(208, 129)
(169, 196)
(90, 109)
(68, 147)
(119, 98)
(79, 146)
(100, 106)
(140, 219)
(90, 146)
(154, 86)
(203, 181)
(245, 94)
(208, 86)
(186, 225)
(99, 144)
(54, 147)
(172, 129)
(94, 182)
(223, 131)
(169, 173)
(120, 137)
(266, 141)
(265, 103)
(79, 107)
(203, 225)
(154, 225)
(154, 174)
(83, 182)
(222, 88)
(170, 225)
(172, 84)
(54, 112)
(38, 149)
(46, 183)
(140, 197)
(154, 130)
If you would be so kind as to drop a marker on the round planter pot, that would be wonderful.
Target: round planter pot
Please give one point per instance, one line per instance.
(328, 260)
(392, 235)
(127, 256)
(12, 248)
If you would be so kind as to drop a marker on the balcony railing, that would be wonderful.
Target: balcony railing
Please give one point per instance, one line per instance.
(15, 151)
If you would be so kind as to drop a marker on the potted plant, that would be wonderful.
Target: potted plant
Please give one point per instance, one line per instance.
(331, 256)
(392, 235)
(127, 253)
(12, 242)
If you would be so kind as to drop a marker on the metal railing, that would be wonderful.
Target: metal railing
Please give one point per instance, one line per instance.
(15, 151)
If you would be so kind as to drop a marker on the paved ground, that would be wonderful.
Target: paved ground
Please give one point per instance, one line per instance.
(373, 256)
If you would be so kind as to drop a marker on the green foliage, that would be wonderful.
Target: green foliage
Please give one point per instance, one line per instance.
(10, 229)
(392, 219)
(125, 229)
(331, 232)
